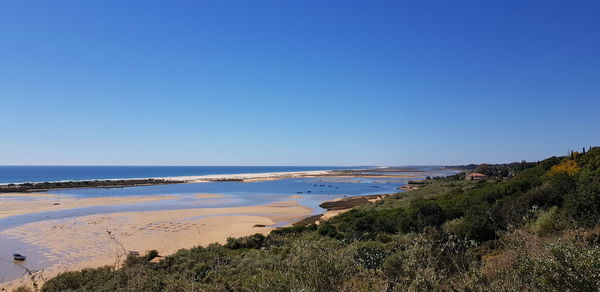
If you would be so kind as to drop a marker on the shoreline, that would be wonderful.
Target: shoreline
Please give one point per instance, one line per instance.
(192, 177)
(246, 177)
(375, 173)
(106, 239)
(133, 182)
(337, 206)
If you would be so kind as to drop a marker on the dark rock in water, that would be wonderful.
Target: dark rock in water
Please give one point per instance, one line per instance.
(55, 204)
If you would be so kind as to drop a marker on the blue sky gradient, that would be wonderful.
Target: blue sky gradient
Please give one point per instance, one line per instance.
(296, 82)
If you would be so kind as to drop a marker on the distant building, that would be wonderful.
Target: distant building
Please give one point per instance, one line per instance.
(475, 176)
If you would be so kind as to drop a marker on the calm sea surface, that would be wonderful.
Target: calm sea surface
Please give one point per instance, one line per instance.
(16, 174)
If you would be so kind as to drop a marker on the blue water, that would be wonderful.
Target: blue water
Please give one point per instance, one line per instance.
(309, 192)
(17, 174)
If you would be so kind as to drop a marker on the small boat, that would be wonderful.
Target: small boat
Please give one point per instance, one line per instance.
(19, 257)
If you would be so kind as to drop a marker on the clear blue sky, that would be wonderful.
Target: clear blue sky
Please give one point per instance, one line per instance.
(297, 82)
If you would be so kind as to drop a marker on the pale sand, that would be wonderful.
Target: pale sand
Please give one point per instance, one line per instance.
(247, 177)
(81, 242)
(392, 176)
(40, 202)
(332, 213)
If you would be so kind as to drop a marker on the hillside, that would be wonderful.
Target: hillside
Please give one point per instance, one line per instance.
(534, 228)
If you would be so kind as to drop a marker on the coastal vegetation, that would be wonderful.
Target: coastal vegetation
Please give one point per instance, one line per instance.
(44, 186)
(528, 226)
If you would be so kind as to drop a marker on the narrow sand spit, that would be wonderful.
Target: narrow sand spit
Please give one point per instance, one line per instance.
(247, 177)
(12, 204)
(97, 240)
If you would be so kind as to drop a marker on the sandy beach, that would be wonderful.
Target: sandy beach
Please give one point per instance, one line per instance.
(105, 239)
(247, 177)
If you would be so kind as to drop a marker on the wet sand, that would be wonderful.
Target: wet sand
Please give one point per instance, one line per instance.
(208, 196)
(105, 239)
(13, 204)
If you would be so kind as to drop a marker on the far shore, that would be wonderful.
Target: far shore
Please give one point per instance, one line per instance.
(330, 175)
(132, 182)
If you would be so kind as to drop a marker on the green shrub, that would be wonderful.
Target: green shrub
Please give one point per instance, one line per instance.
(253, 241)
(545, 222)
(458, 236)
(559, 266)
(86, 279)
(372, 254)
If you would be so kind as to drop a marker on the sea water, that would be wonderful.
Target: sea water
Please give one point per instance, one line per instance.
(18, 174)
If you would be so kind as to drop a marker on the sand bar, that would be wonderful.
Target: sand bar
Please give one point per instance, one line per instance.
(213, 177)
(247, 177)
(12, 204)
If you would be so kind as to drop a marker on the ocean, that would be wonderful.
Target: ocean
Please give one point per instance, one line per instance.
(19, 174)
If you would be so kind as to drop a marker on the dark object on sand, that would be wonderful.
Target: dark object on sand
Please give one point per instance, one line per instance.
(18, 257)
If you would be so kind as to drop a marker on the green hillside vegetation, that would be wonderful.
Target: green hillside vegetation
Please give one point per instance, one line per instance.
(533, 227)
